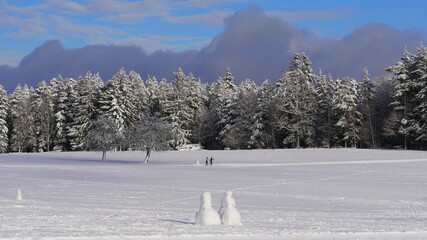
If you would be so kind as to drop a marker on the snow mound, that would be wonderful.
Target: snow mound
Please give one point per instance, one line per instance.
(207, 215)
(228, 211)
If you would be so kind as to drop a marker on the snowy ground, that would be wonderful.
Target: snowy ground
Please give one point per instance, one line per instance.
(281, 194)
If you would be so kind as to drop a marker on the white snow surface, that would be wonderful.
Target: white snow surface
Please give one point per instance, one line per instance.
(281, 194)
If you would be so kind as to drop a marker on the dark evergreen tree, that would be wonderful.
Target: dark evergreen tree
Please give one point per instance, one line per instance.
(325, 88)
(4, 107)
(345, 109)
(23, 133)
(44, 118)
(297, 103)
(366, 106)
(86, 110)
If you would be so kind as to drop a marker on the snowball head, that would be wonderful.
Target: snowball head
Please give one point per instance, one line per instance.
(207, 215)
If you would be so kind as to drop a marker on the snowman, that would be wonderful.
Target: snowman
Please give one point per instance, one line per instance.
(207, 215)
(228, 211)
(19, 195)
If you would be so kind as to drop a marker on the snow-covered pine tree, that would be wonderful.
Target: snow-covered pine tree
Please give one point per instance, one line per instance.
(244, 112)
(181, 107)
(138, 96)
(345, 109)
(419, 74)
(298, 105)
(64, 95)
(113, 100)
(4, 108)
(366, 106)
(86, 110)
(223, 94)
(403, 85)
(23, 132)
(196, 98)
(261, 128)
(325, 88)
(153, 95)
(44, 118)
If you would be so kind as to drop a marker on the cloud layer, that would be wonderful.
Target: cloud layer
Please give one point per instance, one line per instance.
(253, 44)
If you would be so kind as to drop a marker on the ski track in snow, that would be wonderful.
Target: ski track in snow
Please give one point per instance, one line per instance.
(281, 194)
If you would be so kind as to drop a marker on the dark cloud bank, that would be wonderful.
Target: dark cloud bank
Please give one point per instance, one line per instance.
(252, 45)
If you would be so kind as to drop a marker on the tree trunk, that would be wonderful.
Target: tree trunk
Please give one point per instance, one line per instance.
(104, 153)
(147, 157)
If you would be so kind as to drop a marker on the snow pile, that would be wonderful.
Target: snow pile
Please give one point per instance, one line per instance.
(207, 215)
(19, 195)
(228, 211)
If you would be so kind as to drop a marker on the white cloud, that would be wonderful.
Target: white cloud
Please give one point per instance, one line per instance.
(65, 26)
(27, 11)
(212, 18)
(26, 26)
(206, 3)
(296, 16)
(67, 6)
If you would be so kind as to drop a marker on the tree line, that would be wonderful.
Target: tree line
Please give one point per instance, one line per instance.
(302, 109)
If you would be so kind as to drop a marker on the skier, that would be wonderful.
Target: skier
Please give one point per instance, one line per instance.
(207, 161)
(211, 161)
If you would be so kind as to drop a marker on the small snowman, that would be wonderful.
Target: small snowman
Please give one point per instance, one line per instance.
(19, 195)
(228, 211)
(207, 215)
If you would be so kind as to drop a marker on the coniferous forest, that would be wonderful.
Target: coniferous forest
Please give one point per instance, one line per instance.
(303, 109)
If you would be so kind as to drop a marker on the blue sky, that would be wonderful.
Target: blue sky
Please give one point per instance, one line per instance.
(181, 24)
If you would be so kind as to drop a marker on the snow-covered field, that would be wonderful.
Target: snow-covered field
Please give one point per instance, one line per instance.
(280, 194)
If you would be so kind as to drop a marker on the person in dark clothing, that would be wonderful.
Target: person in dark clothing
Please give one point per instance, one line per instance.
(211, 161)
(207, 163)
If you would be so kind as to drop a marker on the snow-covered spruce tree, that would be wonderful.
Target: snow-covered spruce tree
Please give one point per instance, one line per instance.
(298, 102)
(345, 109)
(196, 98)
(239, 136)
(104, 135)
(85, 105)
(153, 95)
(182, 106)
(223, 94)
(261, 129)
(4, 107)
(419, 74)
(64, 95)
(149, 133)
(366, 106)
(138, 96)
(178, 113)
(403, 85)
(325, 88)
(249, 112)
(22, 118)
(44, 118)
(157, 94)
(113, 99)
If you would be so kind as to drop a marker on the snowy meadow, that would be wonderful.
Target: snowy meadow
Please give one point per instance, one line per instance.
(280, 194)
